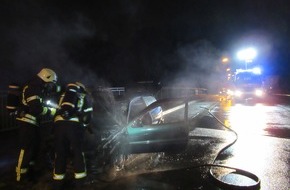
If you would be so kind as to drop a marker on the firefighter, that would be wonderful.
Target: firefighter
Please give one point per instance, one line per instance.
(71, 120)
(31, 108)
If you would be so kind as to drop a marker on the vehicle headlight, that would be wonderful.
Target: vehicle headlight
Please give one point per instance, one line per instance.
(259, 92)
(238, 93)
(230, 92)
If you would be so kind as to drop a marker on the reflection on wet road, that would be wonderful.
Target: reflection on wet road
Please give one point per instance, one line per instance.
(259, 118)
(263, 141)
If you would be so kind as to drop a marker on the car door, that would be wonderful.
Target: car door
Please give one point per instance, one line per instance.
(160, 127)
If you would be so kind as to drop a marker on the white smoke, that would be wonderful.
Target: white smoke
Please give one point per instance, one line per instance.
(199, 66)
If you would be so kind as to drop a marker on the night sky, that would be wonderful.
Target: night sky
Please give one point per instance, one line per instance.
(112, 43)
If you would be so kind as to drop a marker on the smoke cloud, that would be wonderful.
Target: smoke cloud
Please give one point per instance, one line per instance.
(199, 66)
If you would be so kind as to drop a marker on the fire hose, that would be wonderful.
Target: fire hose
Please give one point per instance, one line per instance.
(239, 172)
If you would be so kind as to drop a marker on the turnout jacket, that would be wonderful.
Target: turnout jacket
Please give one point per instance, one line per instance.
(32, 102)
(74, 106)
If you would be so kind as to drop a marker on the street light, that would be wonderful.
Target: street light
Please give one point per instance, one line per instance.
(225, 60)
(247, 55)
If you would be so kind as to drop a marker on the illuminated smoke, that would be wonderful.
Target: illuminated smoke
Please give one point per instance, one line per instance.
(198, 66)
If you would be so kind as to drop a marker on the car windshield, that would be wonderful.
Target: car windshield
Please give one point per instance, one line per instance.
(248, 78)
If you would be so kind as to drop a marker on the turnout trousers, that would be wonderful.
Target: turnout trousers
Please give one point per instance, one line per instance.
(29, 146)
(69, 138)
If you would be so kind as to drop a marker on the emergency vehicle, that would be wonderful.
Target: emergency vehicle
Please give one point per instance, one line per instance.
(248, 85)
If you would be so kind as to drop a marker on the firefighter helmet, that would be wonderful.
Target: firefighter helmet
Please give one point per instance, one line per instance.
(47, 75)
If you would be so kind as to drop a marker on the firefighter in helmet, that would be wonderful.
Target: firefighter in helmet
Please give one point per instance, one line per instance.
(71, 120)
(32, 107)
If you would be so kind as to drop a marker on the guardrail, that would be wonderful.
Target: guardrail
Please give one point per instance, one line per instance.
(285, 95)
(281, 98)
(174, 92)
(7, 122)
(115, 90)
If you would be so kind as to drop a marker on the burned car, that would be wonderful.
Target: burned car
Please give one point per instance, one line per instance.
(141, 124)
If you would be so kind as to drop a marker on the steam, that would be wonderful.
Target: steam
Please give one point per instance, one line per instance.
(199, 66)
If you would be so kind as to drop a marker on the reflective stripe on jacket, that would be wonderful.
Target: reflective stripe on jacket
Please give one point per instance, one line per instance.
(60, 118)
(28, 119)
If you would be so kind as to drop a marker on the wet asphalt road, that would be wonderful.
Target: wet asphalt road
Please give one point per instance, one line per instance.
(263, 144)
(262, 148)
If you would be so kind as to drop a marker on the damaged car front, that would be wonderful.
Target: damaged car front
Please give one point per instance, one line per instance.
(147, 125)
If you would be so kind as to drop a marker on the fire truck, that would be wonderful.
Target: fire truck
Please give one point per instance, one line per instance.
(248, 85)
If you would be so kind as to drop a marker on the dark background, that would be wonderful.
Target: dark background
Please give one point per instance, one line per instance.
(112, 43)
